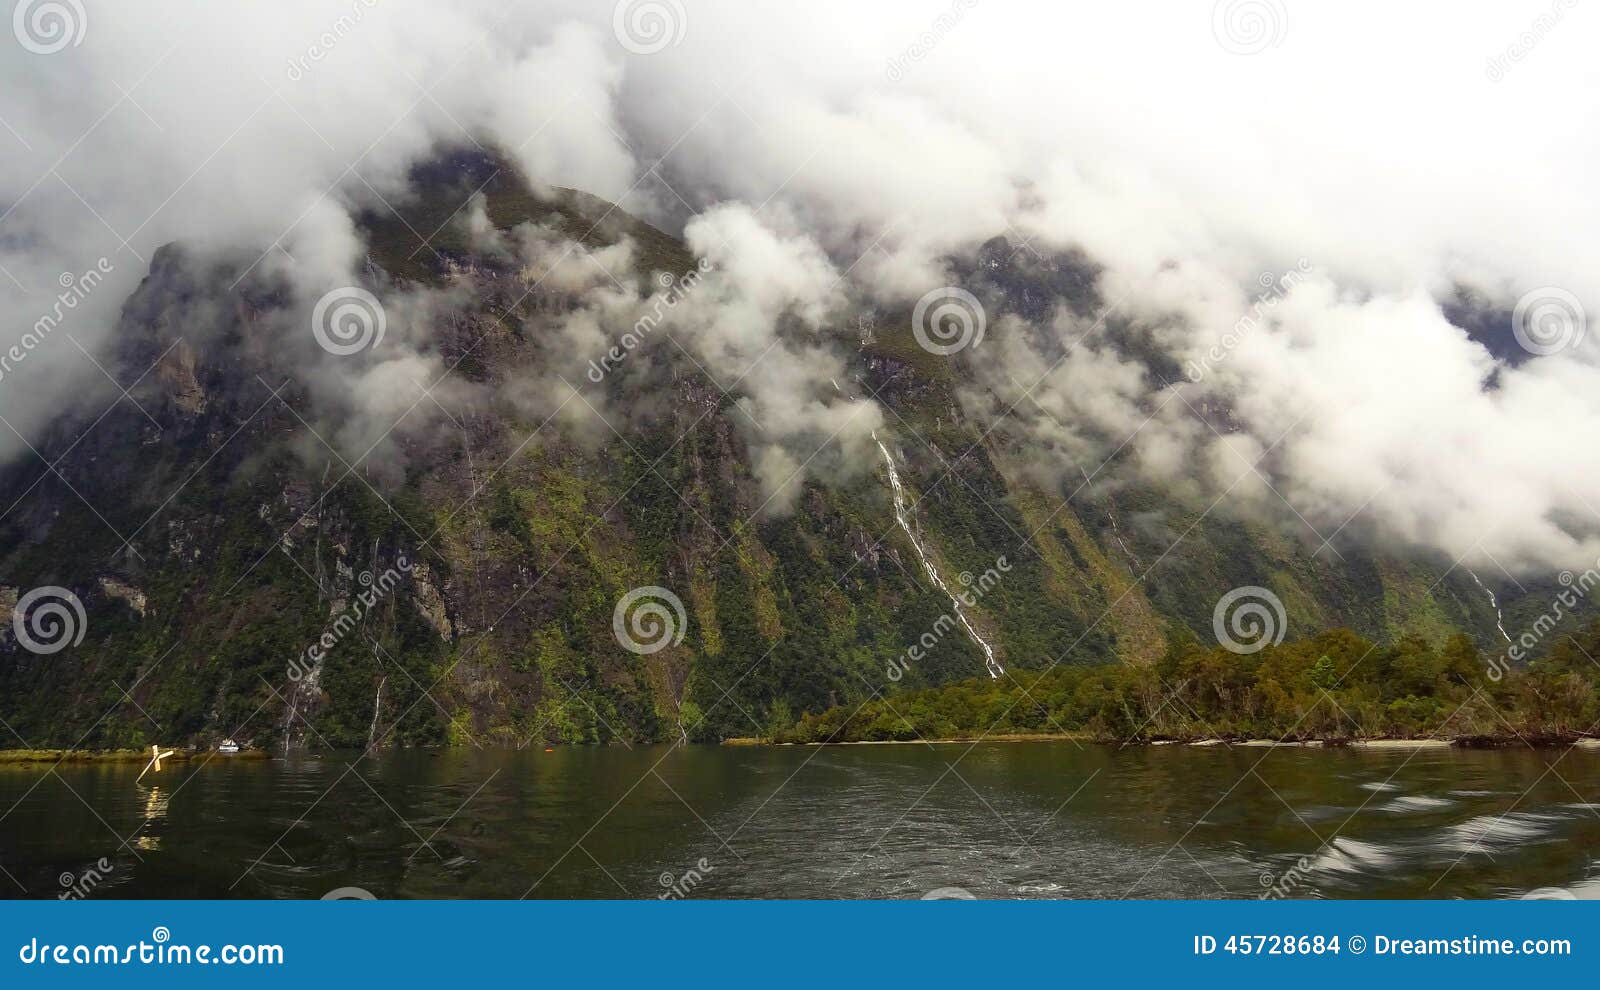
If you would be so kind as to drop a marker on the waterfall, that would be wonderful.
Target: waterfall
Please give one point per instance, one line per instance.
(902, 515)
(377, 705)
(1499, 617)
(1111, 513)
(306, 687)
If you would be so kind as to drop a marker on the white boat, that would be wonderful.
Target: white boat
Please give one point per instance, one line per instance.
(228, 746)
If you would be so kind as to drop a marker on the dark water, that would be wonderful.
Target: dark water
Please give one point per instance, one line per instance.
(997, 820)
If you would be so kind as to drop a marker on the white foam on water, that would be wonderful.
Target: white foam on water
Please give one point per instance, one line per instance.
(1487, 832)
(1352, 856)
(1583, 890)
(1416, 803)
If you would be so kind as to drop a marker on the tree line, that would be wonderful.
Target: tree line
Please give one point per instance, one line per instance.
(1335, 686)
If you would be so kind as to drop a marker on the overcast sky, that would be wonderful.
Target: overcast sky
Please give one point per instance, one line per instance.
(836, 154)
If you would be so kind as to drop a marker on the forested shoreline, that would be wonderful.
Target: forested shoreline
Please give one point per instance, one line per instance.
(1333, 687)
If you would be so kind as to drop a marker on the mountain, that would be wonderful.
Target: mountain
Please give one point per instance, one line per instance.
(257, 559)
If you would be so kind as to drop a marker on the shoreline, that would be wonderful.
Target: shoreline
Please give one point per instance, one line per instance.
(1010, 737)
(34, 757)
(1379, 743)
(30, 757)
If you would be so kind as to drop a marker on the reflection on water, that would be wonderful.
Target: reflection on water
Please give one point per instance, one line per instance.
(155, 808)
(1031, 820)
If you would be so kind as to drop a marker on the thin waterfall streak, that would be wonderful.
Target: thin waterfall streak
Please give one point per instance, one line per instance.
(377, 705)
(1499, 617)
(1116, 531)
(902, 516)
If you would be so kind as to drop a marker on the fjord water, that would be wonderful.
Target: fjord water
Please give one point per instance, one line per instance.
(1023, 820)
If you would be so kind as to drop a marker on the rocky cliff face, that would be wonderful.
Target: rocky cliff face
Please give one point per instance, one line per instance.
(249, 567)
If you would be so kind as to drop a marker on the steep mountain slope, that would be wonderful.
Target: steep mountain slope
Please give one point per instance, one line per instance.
(247, 571)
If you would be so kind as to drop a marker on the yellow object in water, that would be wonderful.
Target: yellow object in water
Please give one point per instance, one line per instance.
(156, 756)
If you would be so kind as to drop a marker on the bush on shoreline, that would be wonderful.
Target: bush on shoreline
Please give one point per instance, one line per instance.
(1333, 686)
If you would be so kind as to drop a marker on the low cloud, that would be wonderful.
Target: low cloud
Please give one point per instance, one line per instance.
(819, 186)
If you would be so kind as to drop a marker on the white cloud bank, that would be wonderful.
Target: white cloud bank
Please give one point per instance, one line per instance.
(840, 153)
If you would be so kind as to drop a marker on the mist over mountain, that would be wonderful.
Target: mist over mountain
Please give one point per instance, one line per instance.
(557, 302)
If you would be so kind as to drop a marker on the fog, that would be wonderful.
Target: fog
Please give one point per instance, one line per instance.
(841, 158)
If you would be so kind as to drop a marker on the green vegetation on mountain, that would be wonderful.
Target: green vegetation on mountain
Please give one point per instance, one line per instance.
(249, 538)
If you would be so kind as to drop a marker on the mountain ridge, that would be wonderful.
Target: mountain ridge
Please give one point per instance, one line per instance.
(240, 533)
